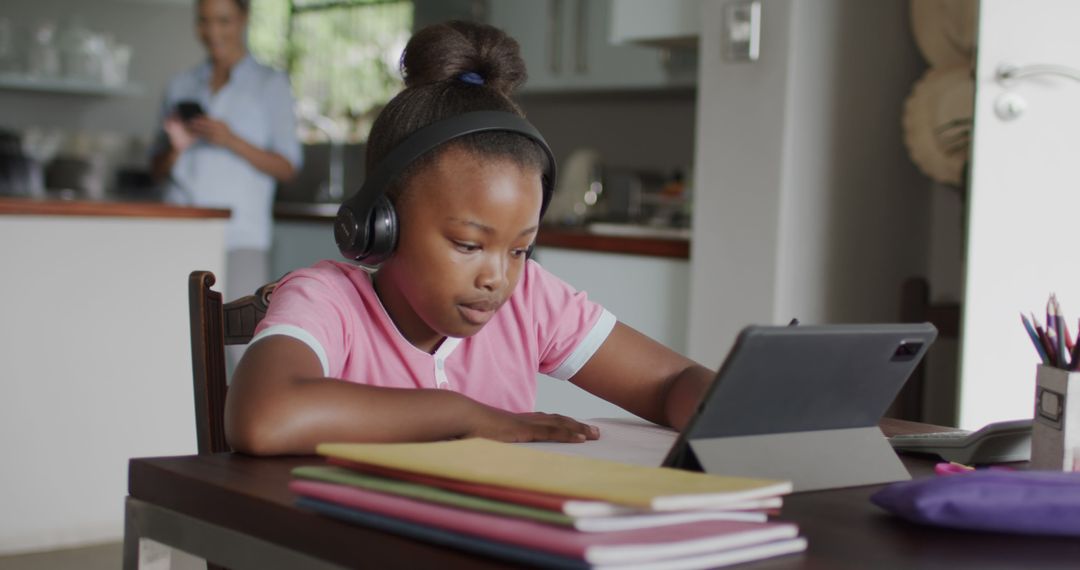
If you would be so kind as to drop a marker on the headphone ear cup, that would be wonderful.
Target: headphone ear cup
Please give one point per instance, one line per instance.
(382, 230)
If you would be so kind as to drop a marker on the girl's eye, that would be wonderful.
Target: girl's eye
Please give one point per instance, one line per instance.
(466, 247)
(519, 252)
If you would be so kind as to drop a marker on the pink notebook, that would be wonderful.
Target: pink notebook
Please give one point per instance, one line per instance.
(595, 548)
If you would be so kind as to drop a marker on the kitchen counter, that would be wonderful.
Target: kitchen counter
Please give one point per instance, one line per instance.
(96, 337)
(630, 240)
(301, 211)
(97, 208)
(585, 239)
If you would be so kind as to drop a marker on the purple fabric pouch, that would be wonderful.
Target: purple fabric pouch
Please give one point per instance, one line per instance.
(1021, 502)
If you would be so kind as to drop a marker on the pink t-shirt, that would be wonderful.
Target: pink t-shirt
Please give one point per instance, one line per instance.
(545, 326)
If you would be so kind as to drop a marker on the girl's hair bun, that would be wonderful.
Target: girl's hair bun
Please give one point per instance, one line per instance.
(445, 52)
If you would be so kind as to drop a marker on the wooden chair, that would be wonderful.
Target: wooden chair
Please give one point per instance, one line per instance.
(915, 307)
(213, 326)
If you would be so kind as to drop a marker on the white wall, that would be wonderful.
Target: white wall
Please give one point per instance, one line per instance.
(805, 203)
(1023, 204)
(162, 37)
(95, 366)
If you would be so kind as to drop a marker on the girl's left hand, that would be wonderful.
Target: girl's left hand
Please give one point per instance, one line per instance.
(212, 131)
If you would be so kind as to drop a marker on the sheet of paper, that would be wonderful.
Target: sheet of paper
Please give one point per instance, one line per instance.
(627, 440)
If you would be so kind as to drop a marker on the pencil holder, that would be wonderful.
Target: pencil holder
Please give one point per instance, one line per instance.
(1055, 433)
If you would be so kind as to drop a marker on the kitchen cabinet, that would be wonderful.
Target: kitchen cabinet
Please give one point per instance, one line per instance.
(566, 47)
(300, 243)
(669, 23)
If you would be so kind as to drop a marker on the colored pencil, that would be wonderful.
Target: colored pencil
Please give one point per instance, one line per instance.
(1048, 346)
(1035, 339)
(1059, 325)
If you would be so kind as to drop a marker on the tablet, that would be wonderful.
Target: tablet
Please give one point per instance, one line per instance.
(803, 403)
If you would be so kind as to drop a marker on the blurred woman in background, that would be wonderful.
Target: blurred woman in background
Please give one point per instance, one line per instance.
(227, 136)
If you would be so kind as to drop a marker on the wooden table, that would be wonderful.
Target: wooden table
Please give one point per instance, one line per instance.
(236, 510)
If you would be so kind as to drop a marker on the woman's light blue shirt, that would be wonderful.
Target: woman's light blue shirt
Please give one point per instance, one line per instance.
(257, 105)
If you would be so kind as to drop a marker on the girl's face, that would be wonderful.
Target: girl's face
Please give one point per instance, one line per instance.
(466, 223)
(220, 25)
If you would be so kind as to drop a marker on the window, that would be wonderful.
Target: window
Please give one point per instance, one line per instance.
(341, 55)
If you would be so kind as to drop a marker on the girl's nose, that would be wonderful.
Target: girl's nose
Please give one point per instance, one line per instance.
(493, 273)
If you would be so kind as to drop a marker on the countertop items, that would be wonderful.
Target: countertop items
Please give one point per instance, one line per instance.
(68, 58)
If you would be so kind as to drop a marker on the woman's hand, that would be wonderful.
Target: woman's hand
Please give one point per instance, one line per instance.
(218, 133)
(179, 137)
(499, 425)
(212, 131)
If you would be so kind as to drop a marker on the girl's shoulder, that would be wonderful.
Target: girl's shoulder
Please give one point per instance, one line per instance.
(330, 276)
(536, 280)
(541, 292)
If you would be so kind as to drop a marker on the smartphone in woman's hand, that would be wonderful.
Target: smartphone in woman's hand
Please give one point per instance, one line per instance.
(189, 110)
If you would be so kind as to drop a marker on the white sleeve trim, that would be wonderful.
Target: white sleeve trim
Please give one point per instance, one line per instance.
(588, 347)
(300, 335)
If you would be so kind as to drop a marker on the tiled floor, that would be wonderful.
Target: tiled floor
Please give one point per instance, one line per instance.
(101, 557)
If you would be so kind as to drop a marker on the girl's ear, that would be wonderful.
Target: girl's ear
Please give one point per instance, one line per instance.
(368, 237)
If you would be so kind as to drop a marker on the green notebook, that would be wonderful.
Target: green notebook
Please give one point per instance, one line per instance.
(343, 476)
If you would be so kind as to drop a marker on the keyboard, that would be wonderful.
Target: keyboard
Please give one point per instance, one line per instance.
(998, 442)
(932, 438)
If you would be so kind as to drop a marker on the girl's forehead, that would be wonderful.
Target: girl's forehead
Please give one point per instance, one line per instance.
(462, 167)
(463, 180)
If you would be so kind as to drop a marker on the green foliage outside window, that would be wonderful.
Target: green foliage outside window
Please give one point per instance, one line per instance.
(341, 55)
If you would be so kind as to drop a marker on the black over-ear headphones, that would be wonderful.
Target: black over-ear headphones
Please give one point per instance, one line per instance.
(366, 226)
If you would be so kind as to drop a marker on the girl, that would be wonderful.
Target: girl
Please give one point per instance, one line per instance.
(444, 340)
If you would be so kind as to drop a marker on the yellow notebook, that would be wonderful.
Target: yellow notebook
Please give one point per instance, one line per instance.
(507, 465)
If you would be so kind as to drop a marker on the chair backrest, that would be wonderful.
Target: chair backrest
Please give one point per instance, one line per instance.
(213, 326)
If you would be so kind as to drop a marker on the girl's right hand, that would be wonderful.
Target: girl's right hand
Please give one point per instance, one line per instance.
(500, 425)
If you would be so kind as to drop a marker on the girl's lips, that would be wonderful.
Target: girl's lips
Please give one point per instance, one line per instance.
(478, 313)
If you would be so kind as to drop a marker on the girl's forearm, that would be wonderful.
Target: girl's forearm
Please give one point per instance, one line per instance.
(295, 418)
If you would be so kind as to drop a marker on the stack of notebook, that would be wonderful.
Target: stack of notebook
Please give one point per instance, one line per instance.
(549, 509)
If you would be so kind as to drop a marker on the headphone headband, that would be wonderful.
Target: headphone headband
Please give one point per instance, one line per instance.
(362, 235)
